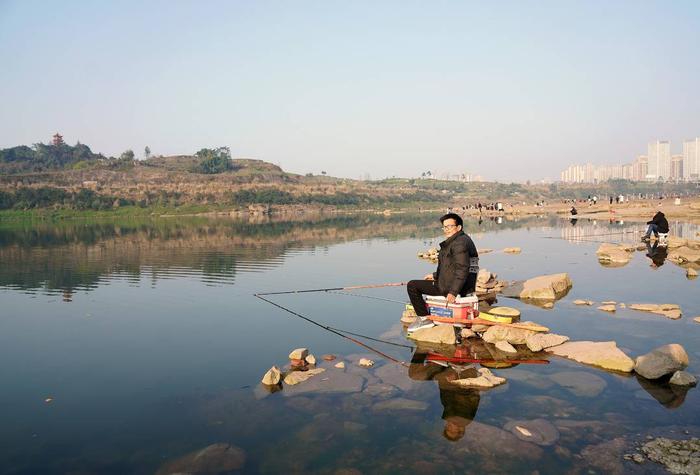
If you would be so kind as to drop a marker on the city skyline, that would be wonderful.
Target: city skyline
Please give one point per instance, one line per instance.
(658, 164)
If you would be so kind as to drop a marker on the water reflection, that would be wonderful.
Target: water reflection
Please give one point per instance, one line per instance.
(657, 254)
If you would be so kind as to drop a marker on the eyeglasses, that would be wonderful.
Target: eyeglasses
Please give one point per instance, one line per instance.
(450, 226)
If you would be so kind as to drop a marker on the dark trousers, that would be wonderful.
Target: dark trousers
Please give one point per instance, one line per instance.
(417, 289)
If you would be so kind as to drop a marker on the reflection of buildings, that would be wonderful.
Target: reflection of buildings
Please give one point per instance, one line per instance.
(620, 231)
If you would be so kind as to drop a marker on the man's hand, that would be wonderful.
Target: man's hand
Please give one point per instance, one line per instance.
(450, 298)
(428, 277)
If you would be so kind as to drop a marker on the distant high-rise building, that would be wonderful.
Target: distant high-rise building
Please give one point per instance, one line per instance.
(691, 159)
(676, 167)
(659, 154)
(640, 168)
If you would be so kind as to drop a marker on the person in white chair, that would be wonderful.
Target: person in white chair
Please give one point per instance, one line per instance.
(458, 266)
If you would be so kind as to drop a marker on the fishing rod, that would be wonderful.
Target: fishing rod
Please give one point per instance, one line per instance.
(331, 289)
(455, 359)
(368, 297)
(330, 329)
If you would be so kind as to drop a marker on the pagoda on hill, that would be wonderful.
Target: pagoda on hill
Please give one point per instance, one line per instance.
(57, 139)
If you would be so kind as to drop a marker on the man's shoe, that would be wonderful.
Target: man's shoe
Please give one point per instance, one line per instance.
(419, 324)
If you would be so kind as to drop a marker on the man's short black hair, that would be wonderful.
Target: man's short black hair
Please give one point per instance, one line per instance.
(455, 216)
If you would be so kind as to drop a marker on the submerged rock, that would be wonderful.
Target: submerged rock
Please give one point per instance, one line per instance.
(661, 361)
(683, 378)
(485, 380)
(537, 431)
(678, 456)
(340, 365)
(272, 377)
(580, 383)
(441, 334)
(328, 357)
(400, 404)
(540, 341)
(668, 310)
(512, 250)
(604, 354)
(583, 302)
(216, 458)
(608, 308)
(333, 382)
(296, 377)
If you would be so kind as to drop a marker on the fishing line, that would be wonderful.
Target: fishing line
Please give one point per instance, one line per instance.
(332, 330)
(366, 296)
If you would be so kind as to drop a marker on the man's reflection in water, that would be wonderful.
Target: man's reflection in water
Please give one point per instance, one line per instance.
(459, 405)
(573, 221)
(657, 254)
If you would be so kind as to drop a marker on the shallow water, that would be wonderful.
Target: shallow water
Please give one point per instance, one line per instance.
(147, 339)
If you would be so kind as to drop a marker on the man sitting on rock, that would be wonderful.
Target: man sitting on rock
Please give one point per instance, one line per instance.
(658, 224)
(458, 266)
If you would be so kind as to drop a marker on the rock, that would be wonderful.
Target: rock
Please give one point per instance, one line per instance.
(638, 458)
(482, 328)
(691, 273)
(467, 333)
(622, 305)
(613, 255)
(216, 458)
(684, 255)
(532, 326)
(538, 431)
(668, 310)
(515, 336)
(333, 382)
(485, 251)
(485, 380)
(512, 250)
(400, 404)
(605, 457)
(583, 302)
(272, 377)
(299, 354)
(311, 359)
(328, 357)
(408, 316)
(661, 361)
(604, 354)
(484, 276)
(696, 319)
(683, 378)
(365, 362)
(295, 363)
(340, 365)
(678, 456)
(540, 341)
(296, 377)
(548, 305)
(441, 334)
(505, 347)
(608, 308)
(546, 287)
(580, 383)
(609, 302)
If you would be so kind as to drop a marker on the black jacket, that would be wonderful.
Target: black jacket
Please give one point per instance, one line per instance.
(457, 259)
(660, 221)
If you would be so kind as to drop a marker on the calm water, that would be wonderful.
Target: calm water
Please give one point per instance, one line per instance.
(147, 339)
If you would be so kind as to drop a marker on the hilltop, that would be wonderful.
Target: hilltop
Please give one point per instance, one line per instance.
(74, 177)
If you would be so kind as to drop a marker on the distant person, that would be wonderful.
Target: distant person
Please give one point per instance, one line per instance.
(658, 224)
(458, 266)
(573, 211)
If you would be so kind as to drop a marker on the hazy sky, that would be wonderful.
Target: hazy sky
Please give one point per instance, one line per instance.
(510, 90)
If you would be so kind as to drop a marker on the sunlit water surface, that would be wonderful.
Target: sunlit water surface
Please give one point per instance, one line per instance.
(124, 346)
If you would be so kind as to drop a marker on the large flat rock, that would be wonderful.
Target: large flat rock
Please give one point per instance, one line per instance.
(333, 381)
(604, 354)
(545, 288)
(439, 334)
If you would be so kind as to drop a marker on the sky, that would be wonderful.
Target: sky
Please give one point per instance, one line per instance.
(512, 91)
